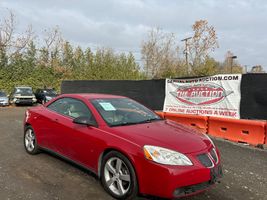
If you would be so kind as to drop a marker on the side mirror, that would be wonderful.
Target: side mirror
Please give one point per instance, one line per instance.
(85, 121)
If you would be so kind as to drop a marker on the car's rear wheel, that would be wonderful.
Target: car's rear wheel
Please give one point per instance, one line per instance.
(118, 176)
(30, 142)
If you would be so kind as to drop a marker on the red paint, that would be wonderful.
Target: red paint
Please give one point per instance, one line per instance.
(85, 144)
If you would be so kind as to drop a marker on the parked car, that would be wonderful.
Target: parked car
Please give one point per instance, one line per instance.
(127, 145)
(45, 95)
(3, 99)
(22, 95)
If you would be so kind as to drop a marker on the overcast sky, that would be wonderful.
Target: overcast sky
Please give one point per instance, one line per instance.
(241, 25)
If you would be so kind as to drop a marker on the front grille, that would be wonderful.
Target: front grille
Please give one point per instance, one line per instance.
(25, 99)
(205, 160)
(180, 192)
(214, 155)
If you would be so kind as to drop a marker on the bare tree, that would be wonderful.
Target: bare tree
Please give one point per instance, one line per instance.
(202, 43)
(257, 69)
(6, 31)
(10, 41)
(230, 64)
(53, 44)
(159, 53)
(53, 38)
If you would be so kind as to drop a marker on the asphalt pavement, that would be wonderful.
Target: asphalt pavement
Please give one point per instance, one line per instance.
(46, 177)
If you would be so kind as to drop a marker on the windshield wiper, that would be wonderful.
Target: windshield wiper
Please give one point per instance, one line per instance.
(140, 122)
(124, 124)
(150, 120)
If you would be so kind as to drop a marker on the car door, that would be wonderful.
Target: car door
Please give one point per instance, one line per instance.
(56, 115)
(74, 141)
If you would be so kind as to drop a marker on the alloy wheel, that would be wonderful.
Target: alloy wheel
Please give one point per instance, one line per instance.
(117, 176)
(29, 140)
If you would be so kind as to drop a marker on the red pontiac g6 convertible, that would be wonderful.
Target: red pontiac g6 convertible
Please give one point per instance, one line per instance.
(130, 148)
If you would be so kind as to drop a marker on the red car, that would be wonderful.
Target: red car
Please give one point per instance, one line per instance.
(130, 148)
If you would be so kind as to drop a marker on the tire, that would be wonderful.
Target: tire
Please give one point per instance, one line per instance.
(118, 176)
(30, 142)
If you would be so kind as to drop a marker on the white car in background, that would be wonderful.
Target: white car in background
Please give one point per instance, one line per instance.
(22, 96)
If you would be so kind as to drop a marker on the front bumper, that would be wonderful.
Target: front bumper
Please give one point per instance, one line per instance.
(215, 174)
(176, 181)
(4, 103)
(24, 101)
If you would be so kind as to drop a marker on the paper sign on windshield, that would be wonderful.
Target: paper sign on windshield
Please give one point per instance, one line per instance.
(107, 106)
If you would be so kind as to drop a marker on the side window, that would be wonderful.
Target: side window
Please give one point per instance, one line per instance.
(70, 107)
(78, 109)
(60, 106)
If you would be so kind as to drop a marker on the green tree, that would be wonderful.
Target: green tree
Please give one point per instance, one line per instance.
(67, 55)
(208, 68)
(3, 58)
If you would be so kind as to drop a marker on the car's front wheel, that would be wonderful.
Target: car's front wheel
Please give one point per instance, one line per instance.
(30, 142)
(118, 176)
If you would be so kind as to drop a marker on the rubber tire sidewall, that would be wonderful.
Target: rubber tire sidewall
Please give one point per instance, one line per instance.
(133, 191)
(36, 149)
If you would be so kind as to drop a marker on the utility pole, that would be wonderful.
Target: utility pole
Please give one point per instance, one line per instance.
(232, 60)
(186, 53)
(246, 69)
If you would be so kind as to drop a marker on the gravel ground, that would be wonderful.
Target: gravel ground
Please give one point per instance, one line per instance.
(45, 177)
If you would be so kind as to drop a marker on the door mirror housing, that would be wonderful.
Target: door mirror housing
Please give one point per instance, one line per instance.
(85, 121)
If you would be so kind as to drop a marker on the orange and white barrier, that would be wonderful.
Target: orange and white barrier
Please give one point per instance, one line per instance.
(253, 132)
(161, 114)
(247, 131)
(196, 121)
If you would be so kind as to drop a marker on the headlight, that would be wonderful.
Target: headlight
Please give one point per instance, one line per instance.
(166, 156)
(209, 139)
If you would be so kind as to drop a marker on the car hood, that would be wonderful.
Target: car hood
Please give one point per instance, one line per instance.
(165, 134)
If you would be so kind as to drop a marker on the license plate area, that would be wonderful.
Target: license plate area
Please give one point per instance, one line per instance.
(216, 173)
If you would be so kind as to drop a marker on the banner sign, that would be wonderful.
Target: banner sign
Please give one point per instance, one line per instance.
(217, 95)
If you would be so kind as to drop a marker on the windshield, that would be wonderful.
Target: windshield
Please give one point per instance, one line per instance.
(123, 111)
(24, 91)
(2, 94)
(50, 92)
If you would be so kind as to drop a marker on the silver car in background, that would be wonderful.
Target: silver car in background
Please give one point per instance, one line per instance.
(3, 99)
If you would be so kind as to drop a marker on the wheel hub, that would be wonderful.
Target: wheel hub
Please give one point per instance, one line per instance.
(117, 176)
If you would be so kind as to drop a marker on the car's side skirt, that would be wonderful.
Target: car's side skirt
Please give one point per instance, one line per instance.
(70, 160)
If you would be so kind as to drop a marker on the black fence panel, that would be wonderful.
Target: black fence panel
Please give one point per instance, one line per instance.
(148, 92)
(151, 93)
(253, 96)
